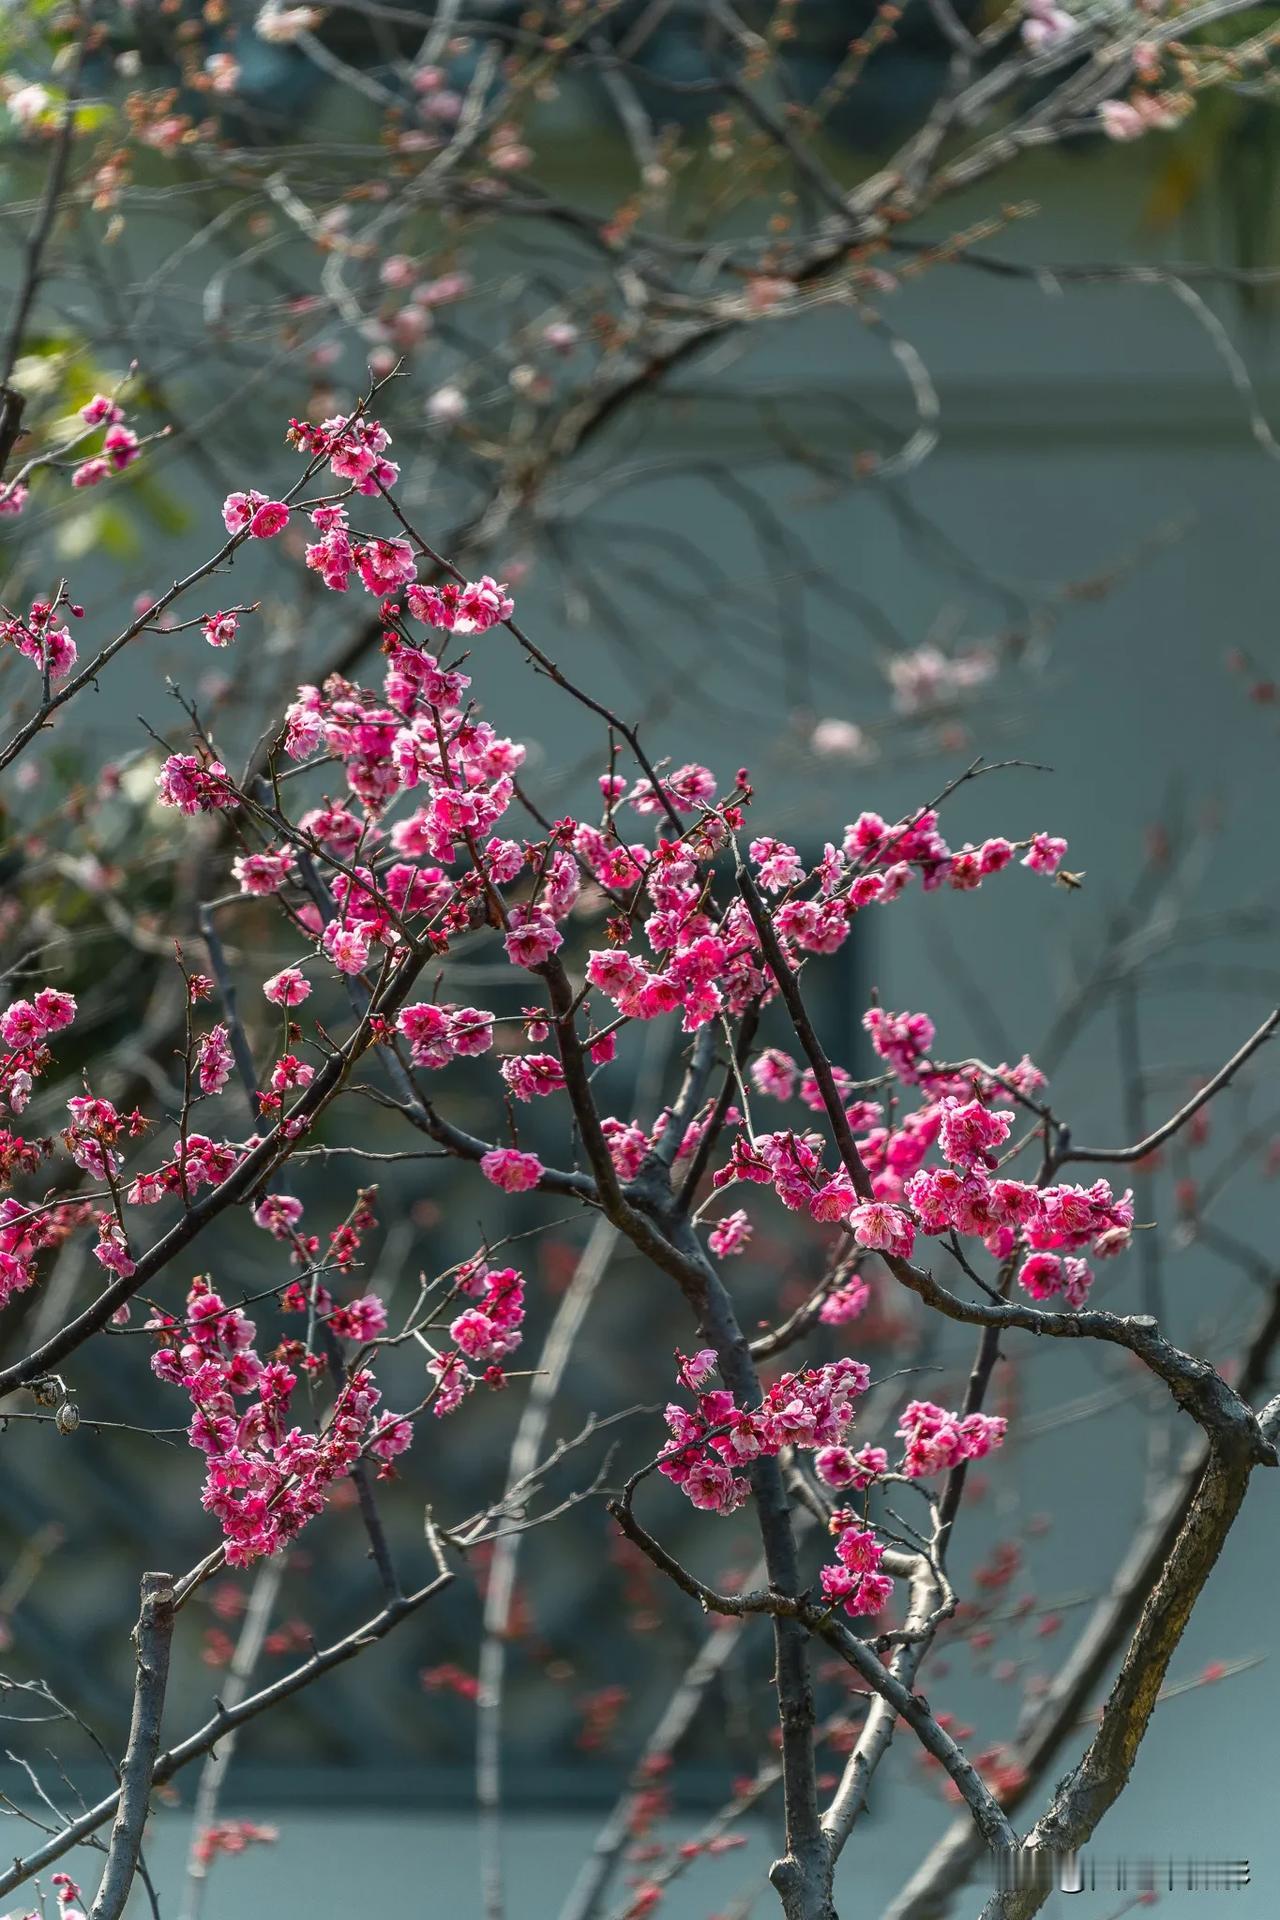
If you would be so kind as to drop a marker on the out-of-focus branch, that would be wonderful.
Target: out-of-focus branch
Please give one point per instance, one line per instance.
(708, 1663)
(38, 241)
(262, 1598)
(557, 1348)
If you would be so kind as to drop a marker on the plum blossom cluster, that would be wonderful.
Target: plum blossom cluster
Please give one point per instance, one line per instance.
(231, 1837)
(709, 1450)
(220, 629)
(471, 607)
(196, 784)
(967, 1115)
(39, 636)
(69, 1896)
(855, 1582)
(1141, 113)
(254, 514)
(354, 448)
(926, 676)
(197, 1161)
(486, 1333)
(1044, 1227)
(697, 967)
(707, 963)
(20, 1155)
(264, 1478)
(934, 1441)
(419, 742)
(512, 1170)
(439, 1033)
(120, 445)
(490, 1330)
(26, 1027)
(280, 1215)
(25, 1231)
(414, 833)
(362, 1320)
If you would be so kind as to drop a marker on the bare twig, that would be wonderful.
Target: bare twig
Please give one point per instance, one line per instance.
(225, 1720)
(1141, 1148)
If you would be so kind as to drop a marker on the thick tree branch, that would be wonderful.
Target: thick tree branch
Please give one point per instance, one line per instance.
(1103, 1772)
(945, 1869)
(151, 1638)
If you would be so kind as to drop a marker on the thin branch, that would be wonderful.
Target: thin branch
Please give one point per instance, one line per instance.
(255, 1166)
(1196, 1386)
(225, 1720)
(1222, 1078)
(898, 1695)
